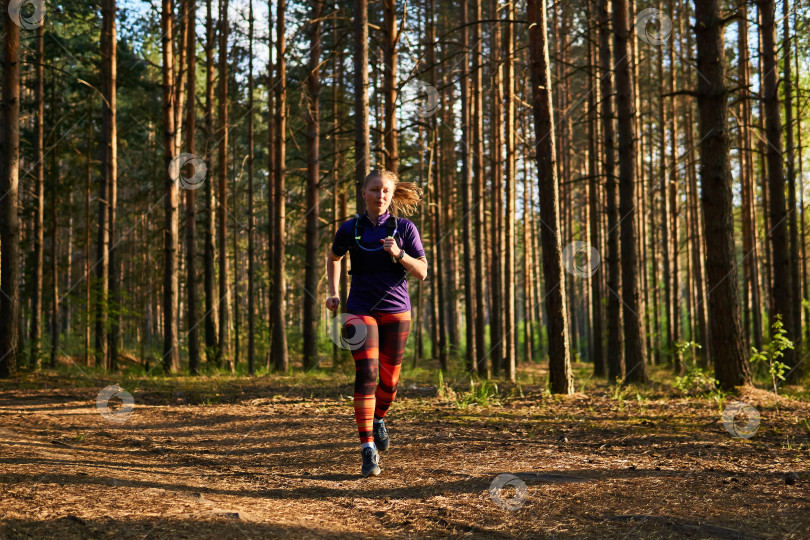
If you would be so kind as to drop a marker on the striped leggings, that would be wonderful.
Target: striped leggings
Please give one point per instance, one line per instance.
(383, 345)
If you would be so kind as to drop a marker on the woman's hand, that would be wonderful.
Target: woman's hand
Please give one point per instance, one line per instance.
(332, 303)
(391, 246)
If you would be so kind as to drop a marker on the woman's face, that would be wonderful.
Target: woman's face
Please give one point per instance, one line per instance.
(378, 194)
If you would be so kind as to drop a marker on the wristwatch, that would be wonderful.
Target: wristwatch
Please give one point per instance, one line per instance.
(401, 254)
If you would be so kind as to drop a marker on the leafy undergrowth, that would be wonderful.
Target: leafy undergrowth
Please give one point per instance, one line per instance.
(221, 456)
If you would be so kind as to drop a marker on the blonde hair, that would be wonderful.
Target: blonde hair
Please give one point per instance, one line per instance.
(406, 194)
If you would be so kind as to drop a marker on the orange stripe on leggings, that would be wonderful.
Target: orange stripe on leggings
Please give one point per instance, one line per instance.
(394, 330)
(365, 362)
(380, 354)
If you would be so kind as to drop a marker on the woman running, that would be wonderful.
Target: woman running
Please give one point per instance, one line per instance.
(384, 248)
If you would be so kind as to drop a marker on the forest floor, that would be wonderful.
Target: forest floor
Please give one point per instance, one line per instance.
(265, 457)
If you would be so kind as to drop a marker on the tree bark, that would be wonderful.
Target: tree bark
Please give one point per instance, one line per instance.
(211, 303)
(362, 148)
(596, 347)
(666, 252)
(499, 332)
(672, 193)
(54, 188)
(271, 179)
(339, 203)
(528, 262)
(223, 351)
(282, 362)
(562, 380)
(731, 365)
(191, 213)
(782, 276)
(105, 191)
(390, 40)
(171, 357)
(634, 338)
(110, 71)
(750, 250)
(313, 195)
(9, 182)
(698, 248)
(510, 170)
(87, 226)
(466, 197)
(477, 120)
(801, 183)
(439, 280)
(251, 352)
(796, 292)
(615, 351)
(39, 217)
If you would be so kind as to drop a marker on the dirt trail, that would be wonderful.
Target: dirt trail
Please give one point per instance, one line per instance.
(288, 466)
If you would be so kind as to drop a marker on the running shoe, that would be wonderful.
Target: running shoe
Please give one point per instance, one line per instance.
(371, 462)
(381, 436)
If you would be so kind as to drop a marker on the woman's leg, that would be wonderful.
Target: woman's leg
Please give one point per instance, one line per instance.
(366, 358)
(393, 334)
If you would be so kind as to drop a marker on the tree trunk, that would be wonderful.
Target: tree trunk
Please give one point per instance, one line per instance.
(211, 303)
(282, 362)
(499, 332)
(466, 197)
(390, 40)
(562, 380)
(362, 148)
(801, 185)
(749, 225)
(511, 197)
(171, 357)
(251, 352)
(271, 180)
(782, 277)
(698, 248)
(795, 374)
(339, 203)
(54, 188)
(110, 70)
(634, 338)
(87, 226)
(731, 365)
(666, 347)
(672, 193)
(313, 195)
(450, 190)
(9, 181)
(105, 188)
(236, 259)
(66, 306)
(39, 216)
(437, 222)
(477, 144)
(596, 347)
(223, 351)
(655, 246)
(191, 213)
(615, 351)
(528, 262)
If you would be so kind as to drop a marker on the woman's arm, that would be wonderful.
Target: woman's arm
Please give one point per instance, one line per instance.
(332, 269)
(415, 267)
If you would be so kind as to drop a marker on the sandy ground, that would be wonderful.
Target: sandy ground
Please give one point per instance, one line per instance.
(262, 459)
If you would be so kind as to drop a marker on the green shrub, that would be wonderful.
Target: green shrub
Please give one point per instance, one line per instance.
(483, 393)
(770, 354)
(695, 382)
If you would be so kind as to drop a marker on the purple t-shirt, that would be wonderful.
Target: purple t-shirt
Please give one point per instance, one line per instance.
(378, 291)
